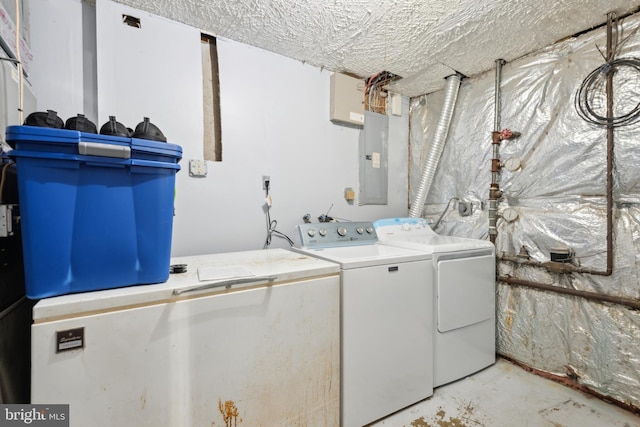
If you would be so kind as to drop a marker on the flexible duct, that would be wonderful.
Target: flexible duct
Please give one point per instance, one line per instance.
(439, 139)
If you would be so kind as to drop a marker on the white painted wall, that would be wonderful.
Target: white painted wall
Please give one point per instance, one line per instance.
(57, 75)
(275, 121)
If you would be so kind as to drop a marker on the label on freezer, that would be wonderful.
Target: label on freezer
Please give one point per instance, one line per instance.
(69, 339)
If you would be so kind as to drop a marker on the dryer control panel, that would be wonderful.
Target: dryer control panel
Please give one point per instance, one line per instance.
(402, 226)
(335, 234)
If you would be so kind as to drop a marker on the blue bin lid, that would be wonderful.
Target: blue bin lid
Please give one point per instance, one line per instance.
(149, 146)
(42, 135)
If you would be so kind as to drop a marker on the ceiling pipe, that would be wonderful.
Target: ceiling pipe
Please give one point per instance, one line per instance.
(428, 171)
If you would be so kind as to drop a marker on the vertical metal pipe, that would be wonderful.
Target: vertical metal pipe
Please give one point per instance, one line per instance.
(609, 93)
(494, 188)
(498, 91)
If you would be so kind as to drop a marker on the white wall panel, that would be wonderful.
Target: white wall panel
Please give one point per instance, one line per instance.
(275, 121)
(56, 43)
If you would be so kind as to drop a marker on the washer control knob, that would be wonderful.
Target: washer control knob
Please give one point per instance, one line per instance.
(360, 230)
(370, 230)
(311, 232)
(342, 231)
(322, 232)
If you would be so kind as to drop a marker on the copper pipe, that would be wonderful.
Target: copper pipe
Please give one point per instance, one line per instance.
(571, 381)
(568, 268)
(552, 266)
(609, 96)
(495, 137)
(593, 296)
(609, 93)
(609, 190)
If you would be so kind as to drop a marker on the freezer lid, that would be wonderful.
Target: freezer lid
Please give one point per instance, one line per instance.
(248, 268)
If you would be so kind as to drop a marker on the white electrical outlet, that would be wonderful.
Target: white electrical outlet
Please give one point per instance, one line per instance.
(197, 168)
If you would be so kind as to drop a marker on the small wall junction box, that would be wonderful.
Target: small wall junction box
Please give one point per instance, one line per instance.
(197, 168)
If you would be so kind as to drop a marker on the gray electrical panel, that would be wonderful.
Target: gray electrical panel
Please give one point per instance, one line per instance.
(373, 171)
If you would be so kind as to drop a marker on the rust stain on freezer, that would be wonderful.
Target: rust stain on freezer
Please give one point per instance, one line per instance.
(230, 413)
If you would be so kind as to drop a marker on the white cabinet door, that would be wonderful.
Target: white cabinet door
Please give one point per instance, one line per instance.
(267, 356)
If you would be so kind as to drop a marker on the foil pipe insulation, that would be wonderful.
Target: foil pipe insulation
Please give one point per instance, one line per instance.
(540, 327)
(428, 172)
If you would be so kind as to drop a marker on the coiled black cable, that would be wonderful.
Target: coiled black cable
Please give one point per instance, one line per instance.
(593, 84)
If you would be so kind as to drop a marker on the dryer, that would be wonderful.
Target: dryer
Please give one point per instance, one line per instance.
(386, 319)
(463, 274)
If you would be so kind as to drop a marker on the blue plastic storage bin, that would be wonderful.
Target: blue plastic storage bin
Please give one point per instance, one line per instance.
(93, 221)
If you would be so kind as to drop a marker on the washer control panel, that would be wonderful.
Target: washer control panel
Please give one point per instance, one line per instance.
(334, 234)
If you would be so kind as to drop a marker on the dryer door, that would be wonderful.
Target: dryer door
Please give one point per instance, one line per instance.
(465, 290)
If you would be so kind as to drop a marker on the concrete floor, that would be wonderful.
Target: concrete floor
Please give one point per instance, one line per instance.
(505, 395)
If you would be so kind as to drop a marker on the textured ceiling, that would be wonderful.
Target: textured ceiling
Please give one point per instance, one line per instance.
(422, 41)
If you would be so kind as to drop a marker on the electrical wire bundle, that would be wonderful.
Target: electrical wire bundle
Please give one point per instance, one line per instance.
(272, 224)
(592, 89)
(591, 96)
(375, 96)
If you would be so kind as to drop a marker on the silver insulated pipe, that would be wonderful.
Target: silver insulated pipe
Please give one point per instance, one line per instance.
(439, 139)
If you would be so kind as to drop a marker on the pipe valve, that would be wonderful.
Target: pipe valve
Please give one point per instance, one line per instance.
(507, 133)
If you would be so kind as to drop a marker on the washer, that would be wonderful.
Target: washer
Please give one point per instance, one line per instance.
(463, 272)
(386, 303)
